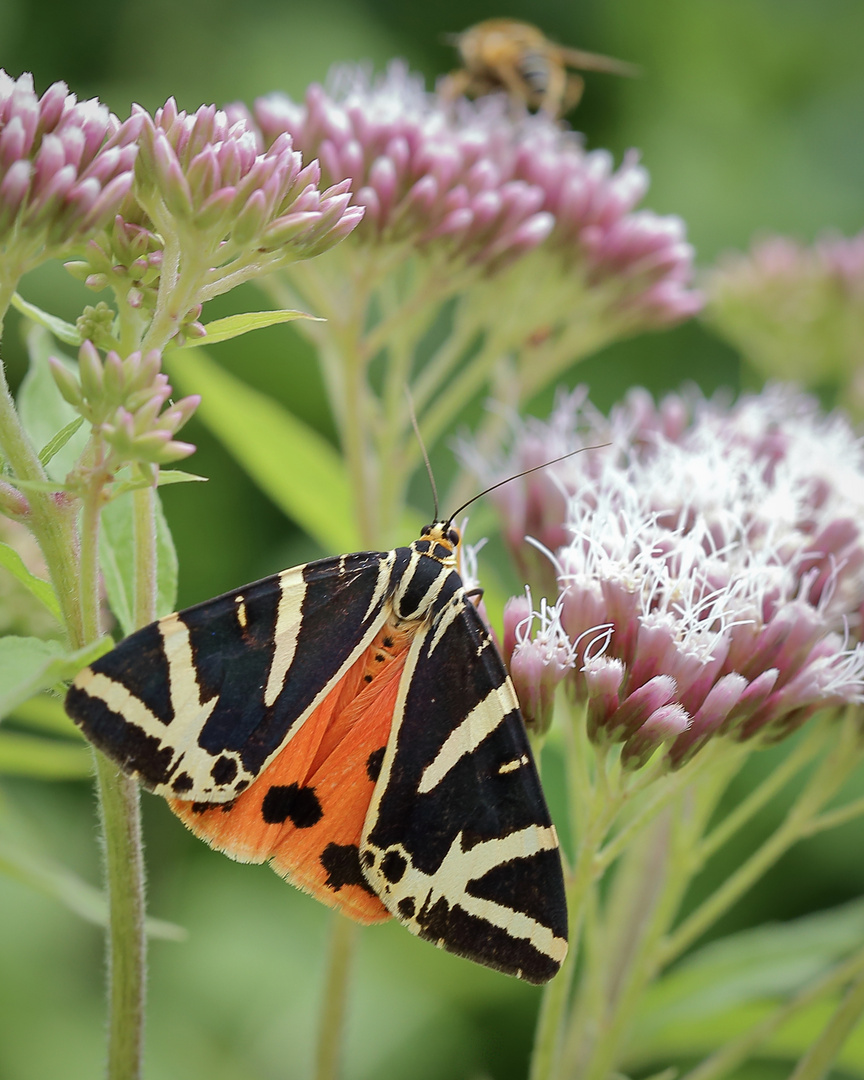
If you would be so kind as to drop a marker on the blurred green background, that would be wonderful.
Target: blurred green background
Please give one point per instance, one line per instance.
(750, 117)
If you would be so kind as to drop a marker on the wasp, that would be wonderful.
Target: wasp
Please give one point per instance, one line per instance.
(504, 54)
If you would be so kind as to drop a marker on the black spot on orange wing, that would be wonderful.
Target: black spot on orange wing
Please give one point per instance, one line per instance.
(291, 802)
(314, 795)
(373, 763)
(342, 863)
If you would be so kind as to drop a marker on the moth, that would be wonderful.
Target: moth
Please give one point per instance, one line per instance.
(351, 721)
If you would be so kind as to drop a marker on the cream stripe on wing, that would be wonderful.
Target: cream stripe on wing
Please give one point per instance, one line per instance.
(462, 866)
(292, 590)
(182, 681)
(121, 701)
(477, 725)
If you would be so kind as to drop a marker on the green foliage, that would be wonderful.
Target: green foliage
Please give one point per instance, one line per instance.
(59, 328)
(116, 551)
(235, 325)
(29, 665)
(49, 420)
(294, 465)
(725, 989)
(42, 590)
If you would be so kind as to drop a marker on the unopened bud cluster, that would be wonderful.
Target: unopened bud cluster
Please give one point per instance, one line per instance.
(709, 579)
(65, 167)
(125, 256)
(123, 400)
(205, 174)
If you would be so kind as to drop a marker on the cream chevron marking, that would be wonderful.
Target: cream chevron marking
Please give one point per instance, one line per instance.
(465, 738)
(460, 867)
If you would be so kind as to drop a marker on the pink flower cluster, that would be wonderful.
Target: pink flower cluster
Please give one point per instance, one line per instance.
(65, 167)
(795, 311)
(710, 572)
(469, 183)
(208, 172)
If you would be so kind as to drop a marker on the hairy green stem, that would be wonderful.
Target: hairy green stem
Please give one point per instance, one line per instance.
(124, 873)
(146, 569)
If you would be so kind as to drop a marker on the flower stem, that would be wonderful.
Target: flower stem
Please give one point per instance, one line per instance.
(800, 756)
(144, 530)
(822, 786)
(734, 1053)
(591, 811)
(124, 872)
(818, 1059)
(633, 935)
(331, 1036)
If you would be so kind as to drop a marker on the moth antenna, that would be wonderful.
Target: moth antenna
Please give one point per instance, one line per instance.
(516, 476)
(426, 461)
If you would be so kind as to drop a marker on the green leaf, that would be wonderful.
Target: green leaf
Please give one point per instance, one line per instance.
(45, 713)
(60, 439)
(177, 476)
(20, 861)
(45, 414)
(42, 590)
(718, 992)
(63, 331)
(293, 464)
(164, 478)
(235, 325)
(43, 759)
(29, 665)
(117, 556)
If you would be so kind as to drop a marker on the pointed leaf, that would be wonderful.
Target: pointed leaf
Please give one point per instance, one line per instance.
(60, 439)
(300, 471)
(235, 325)
(44, 411)
(42, 590)
(29, 665)
(63, 331)
(177, 476)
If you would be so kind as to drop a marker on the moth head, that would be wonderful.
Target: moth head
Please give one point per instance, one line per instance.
(442, 532)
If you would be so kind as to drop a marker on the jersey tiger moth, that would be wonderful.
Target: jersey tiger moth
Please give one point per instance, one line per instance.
(351, 721)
